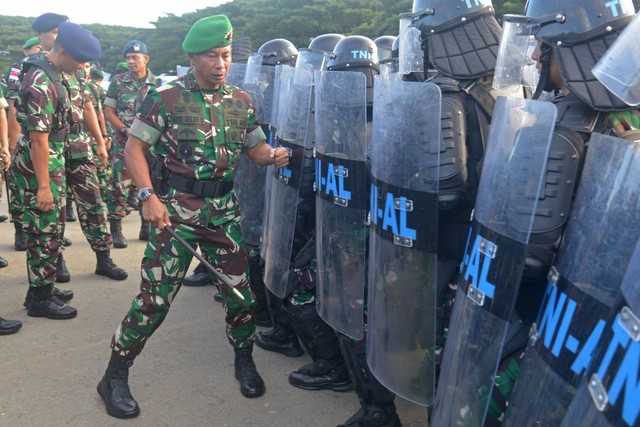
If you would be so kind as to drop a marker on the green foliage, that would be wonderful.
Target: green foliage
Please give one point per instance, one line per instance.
(261, 20)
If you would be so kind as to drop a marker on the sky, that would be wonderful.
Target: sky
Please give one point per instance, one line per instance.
(129, 13)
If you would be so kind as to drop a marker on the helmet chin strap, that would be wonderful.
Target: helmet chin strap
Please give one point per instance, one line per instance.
(545, 62)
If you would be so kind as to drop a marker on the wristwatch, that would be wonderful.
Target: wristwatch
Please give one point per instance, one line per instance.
(123, 130)
(144, 193)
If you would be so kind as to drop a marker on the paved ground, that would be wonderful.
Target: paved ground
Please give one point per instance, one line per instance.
(50, 368)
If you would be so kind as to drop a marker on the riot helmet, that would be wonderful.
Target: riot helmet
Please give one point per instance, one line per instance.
(315, 56)
(356, 53)
(278, 51)
(577, 33)
(326, 42)
(459, 38)
(385, 45)
(389, 65)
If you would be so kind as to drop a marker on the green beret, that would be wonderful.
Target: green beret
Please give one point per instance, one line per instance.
(122, 66)
(30, 43)
(208, 33)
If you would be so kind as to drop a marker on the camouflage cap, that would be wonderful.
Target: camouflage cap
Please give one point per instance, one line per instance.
(134, 46)
(31, 43)
(208, 33)
(47, 22)
(78, 42)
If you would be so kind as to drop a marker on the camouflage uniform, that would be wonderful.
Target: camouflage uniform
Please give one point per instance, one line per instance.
(125, 95)
(11, 80)
(103, 169)
(200, 139)
(38, 111)
(81, 174)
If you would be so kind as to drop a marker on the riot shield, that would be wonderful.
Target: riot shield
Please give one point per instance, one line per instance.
(619, 68)
(311, 59)
(236, 74)
(403, 243)
(410, 52)
(608, 395)
(271, 140)
(584, 284)
(341, 198)
(249, 179)
(293, 124)
(513, 172)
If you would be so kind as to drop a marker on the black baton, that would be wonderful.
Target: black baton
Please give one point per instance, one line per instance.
(204, 262)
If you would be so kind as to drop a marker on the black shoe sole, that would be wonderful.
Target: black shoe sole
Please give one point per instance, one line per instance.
(111, 412)
(252, 395)
(345, 386)
(112, 277)
(120, 246)
(48, 315)
(10, 331)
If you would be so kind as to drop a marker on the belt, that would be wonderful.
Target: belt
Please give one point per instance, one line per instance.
(200, 187)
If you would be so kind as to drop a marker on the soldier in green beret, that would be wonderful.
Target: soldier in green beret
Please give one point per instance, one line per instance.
(198, 126)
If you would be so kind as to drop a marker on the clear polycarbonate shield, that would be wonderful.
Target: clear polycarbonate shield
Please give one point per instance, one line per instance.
(515, 67)
(249, 184)
(259, 82)
(584, 286)
(254, 67)
(311, 59)
(341, 198)
(296, 87)
(512, 176)
(410, 53)
(271, 140)
(403, 243)
(236, 74)
(619, 68)
(607, 396)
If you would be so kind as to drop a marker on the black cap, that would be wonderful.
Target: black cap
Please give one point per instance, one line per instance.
(47, 22)
(78, 42)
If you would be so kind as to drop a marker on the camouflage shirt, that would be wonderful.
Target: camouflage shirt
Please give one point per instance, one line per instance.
(125, 95)
(79, 144)
(201, 134)
(39, 111)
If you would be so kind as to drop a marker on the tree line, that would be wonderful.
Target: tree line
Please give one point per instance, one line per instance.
(260, 20)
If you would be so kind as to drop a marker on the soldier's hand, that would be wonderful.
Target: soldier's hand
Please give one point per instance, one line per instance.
(103, 157)
(154, 211)
(5, 159)
(107, 143)
(280, 156)
(44, 199)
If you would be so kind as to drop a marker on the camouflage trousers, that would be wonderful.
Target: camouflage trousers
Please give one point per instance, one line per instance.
(103, 171)
(16, 208)
(119, 185)
(44, 229)
(164, 265)
(82, 181)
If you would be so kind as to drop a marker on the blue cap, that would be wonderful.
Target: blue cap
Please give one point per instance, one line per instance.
(134, 46)
(78, 42)
(47, 22)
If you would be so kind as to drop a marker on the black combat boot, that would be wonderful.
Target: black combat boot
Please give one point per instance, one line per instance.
(328, 369)
(144, 230)
(64, 296)
(282, 338)
(62, 273)
(3, 262)
(45, 304)
(8, 327)
(114, 388)
(256, 283)
(20, 243)
(116, 233)
(106, 267)
(377, 407)
(251, 385)
(71, 216)
(200, 277)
